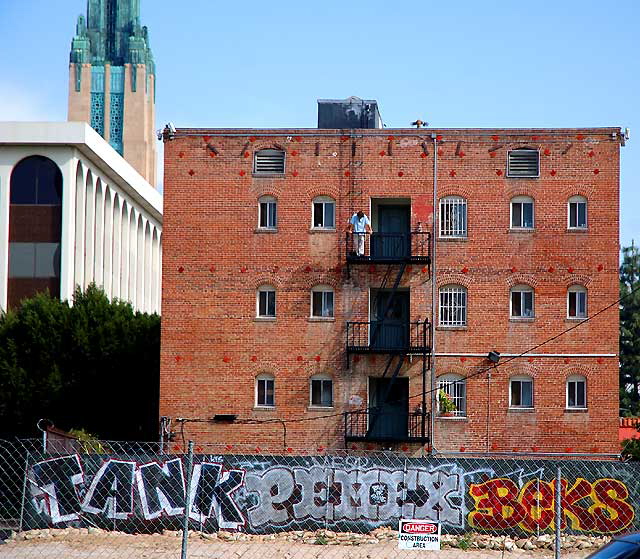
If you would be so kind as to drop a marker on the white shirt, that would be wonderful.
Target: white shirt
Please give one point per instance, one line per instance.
(359, 223)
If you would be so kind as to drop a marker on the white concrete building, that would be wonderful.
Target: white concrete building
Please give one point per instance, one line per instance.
(72, 212)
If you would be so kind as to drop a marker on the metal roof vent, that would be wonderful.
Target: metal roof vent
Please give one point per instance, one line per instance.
(268, 162)
(352, 112)
(523, 163)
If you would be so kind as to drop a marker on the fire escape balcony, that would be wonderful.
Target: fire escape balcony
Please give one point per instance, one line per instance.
(386, 248)
(377, 426)
(389, 336)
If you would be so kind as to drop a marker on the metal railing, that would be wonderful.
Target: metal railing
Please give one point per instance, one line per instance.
(412, 246)
(376, 425)
(388, 336)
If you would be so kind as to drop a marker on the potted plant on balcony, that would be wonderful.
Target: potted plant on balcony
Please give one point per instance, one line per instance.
(445, 404)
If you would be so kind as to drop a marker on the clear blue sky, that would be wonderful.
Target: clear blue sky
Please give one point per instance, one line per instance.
(562, 63)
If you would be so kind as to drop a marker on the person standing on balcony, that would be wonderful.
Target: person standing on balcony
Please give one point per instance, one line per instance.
(359, 225)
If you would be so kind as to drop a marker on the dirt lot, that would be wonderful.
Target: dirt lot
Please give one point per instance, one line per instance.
(107, 545)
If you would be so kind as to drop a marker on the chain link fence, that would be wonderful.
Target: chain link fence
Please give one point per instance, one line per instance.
(121, 500)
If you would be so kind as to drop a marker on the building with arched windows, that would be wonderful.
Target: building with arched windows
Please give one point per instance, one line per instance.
(73, 212)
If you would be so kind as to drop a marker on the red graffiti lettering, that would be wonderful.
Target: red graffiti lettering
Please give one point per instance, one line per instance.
(497, 507)
(610, 510)
(537, 498)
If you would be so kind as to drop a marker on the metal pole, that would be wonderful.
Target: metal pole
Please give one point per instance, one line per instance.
(558, 511)
(187, 503)
(24, 492)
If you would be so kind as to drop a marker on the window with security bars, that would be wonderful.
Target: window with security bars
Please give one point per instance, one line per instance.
(454, 386)
(269, 162)
(576, 392)
(322, 302)
(523, 163)
(453, 217)
(453, 306)
(321, 392)
(577, 302)
(268, 214)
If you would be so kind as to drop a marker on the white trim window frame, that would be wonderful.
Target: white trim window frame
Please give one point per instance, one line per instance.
(323, 213)
(265, 391)
(522, 213)
(266, 302)
(521, 302)
(577, 217)
(576, 392)
(322, 301)
(521, 392)
(455, 387)
(267, 212)
(321, 391)
(452, 308)
(453, 217)
(577, 302)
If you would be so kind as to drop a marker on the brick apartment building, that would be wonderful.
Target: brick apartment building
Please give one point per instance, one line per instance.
(276, 333)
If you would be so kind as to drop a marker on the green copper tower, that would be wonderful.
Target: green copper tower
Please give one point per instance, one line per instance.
(112, 80)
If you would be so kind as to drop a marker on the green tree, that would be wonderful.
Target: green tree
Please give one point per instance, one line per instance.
(630, 331)
(94, 366)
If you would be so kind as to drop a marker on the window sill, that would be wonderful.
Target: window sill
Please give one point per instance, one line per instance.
(523, 319)
(522, 177)
(319, 408)
(265, 230)
(452, 417)
(454, 239)
(451, 328)
(521, 230)
(322, 230)
(575, 318)
(264, 319)
(264, 408)
(578, 230)
(268, 175)
(576, 410)
(522, 410)
(321, 319)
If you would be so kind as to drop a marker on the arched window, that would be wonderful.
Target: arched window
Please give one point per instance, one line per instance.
(268, 162)
(265, 391)
(455, 387)
(453, 217)
(521, 392)
(323, 213)
(266, 302)
(322, 301)
(36, 180)
(577, 212)
(522, 302)
(577, 302)
(267, 212)
(453, 306)
(522, 212)
(576, 392)
(321, 391)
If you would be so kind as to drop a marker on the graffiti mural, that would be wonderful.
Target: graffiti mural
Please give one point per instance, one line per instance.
(262, 494)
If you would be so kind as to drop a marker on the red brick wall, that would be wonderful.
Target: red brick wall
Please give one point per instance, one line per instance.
(213, 261)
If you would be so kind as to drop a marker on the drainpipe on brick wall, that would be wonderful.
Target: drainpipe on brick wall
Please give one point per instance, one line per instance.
(434, 234)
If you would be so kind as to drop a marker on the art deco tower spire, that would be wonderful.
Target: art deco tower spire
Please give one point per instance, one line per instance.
(112, 80)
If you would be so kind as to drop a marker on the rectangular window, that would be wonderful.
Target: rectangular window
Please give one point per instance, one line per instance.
(523, 163)
(322, 393)
(322, 304)
(577, 304)
(453, 306)
(522, 215)
(324, 215)
(453, 217)
(577, 215)
(268, 215)
(522, 304)
(34, 260)
(576, 394)
(267, 303)
(521, 394)
(265, 392)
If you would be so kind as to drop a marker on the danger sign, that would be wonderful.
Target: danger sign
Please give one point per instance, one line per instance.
(419, 534)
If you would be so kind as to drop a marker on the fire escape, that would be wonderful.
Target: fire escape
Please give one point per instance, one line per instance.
(389, 333)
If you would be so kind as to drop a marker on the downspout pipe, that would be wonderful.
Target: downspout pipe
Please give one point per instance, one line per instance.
(434, 229)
